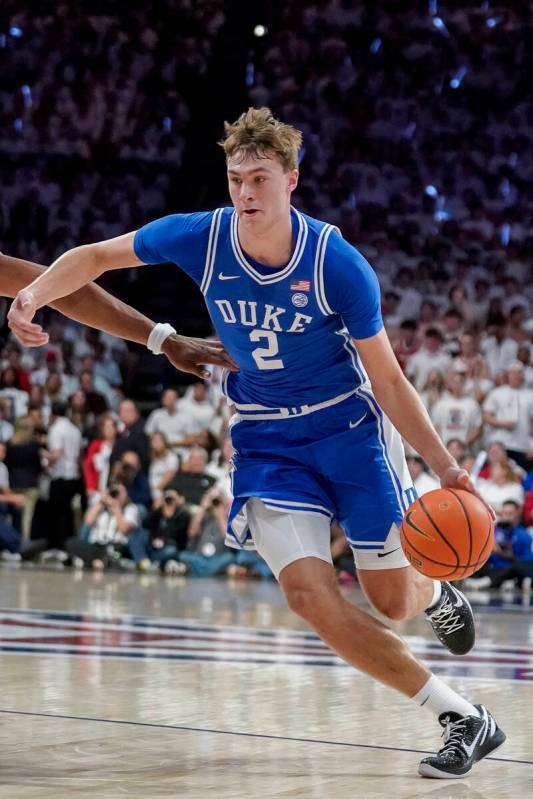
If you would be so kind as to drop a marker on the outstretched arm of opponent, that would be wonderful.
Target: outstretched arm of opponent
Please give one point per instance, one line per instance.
(93, 306)
(401, 403)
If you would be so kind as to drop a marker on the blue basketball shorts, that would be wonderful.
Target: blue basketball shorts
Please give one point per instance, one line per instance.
(345, 462)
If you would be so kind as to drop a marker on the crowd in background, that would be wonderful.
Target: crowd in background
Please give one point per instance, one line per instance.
(418, 139)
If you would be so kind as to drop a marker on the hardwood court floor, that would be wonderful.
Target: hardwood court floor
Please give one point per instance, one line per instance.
(128, 686)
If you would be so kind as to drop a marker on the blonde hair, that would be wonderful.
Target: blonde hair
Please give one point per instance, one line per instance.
(23, 430)
(257, 131)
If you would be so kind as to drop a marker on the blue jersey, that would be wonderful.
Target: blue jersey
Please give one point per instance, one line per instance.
(289, 329)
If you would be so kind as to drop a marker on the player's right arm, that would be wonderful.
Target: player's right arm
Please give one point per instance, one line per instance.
(179, 238)
(93, 306)
(71, 271)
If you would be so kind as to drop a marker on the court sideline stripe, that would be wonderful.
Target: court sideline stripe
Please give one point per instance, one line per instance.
(262, 736)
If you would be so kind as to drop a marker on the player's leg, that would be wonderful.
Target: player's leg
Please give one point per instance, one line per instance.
(296, 547)
(371, 501)
(399, 592)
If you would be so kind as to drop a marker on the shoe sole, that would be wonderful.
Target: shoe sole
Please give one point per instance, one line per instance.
(425, 770)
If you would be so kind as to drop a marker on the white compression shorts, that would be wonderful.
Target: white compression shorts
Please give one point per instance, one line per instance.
(282, 537)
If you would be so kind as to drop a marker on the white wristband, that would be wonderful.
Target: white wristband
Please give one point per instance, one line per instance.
(158, 335)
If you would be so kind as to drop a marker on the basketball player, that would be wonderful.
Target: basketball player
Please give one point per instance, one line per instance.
(317, 394)
(93, 306)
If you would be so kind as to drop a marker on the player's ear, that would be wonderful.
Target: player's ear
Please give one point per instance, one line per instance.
(293, 179)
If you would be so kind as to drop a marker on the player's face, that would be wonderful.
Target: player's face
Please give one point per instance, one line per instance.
(260, 189)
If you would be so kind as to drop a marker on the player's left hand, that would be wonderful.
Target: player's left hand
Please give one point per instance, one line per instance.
(191, 354)
(454, 477)
(21, 313)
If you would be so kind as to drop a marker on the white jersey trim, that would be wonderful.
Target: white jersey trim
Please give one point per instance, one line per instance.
(278, 274)
(262, 412)
(318, 270)
(211, 250)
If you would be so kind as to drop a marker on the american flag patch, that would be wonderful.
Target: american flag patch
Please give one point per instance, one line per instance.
(300, 285)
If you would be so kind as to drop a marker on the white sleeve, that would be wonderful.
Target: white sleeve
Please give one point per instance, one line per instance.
(150, 426)
(491, 403)
(131, 513)
(476, 417)
(55, 439)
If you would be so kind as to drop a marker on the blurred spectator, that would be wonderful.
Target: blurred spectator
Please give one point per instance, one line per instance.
(452, 329)
(430, 357)
(129, 472)
(433, 389)
(422, 480)
(497, 348)
(206, 554)
(6, 428)
(95, 402)
(99, 392)
(111, 531)
(168, 525)
(54, 390)
(496, 454)
(96, 461)
(524, 356)
(220, 466)
(106, 367)
(508, 410)
(10, 502)
(502, 487)
(166, 419)
(22, 379)
(131, 434)
(192, 480)
(512, 556)
(407, 342)
(80, 414)
(23, 459)
(163, 464)
(456, 448)
(197, 413)
(456, 415)
(63, 456)
(15, 401)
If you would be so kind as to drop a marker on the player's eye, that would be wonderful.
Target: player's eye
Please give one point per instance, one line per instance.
(260, 179)
(237, 181)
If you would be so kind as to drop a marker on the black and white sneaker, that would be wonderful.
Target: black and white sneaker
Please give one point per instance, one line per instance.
(453, 621)
(467, 739)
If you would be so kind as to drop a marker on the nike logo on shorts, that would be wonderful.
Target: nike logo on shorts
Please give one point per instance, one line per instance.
(227, 277)
(358, 422)
(384, 554)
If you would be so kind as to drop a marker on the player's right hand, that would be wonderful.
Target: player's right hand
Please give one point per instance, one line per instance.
(21, 313)
(191, 355)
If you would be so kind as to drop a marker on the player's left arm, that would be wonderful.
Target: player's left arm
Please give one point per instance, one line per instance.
(93, 306)
(401, 403)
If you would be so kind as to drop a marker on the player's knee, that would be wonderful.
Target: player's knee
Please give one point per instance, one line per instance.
(308, 603)
(300, 600)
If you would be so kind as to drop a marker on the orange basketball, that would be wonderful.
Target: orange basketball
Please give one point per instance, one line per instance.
(447, 534)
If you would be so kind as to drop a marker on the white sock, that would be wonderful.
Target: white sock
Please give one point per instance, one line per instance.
(438, 698)
(437, 593)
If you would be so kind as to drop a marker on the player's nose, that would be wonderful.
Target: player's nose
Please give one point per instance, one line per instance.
(246, 192)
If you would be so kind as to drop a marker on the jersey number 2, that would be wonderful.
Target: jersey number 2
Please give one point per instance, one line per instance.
(264, 356)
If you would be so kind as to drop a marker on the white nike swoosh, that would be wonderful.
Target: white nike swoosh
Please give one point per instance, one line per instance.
(470, 749)
(459, 600)
(358, 422)
(228, 277)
